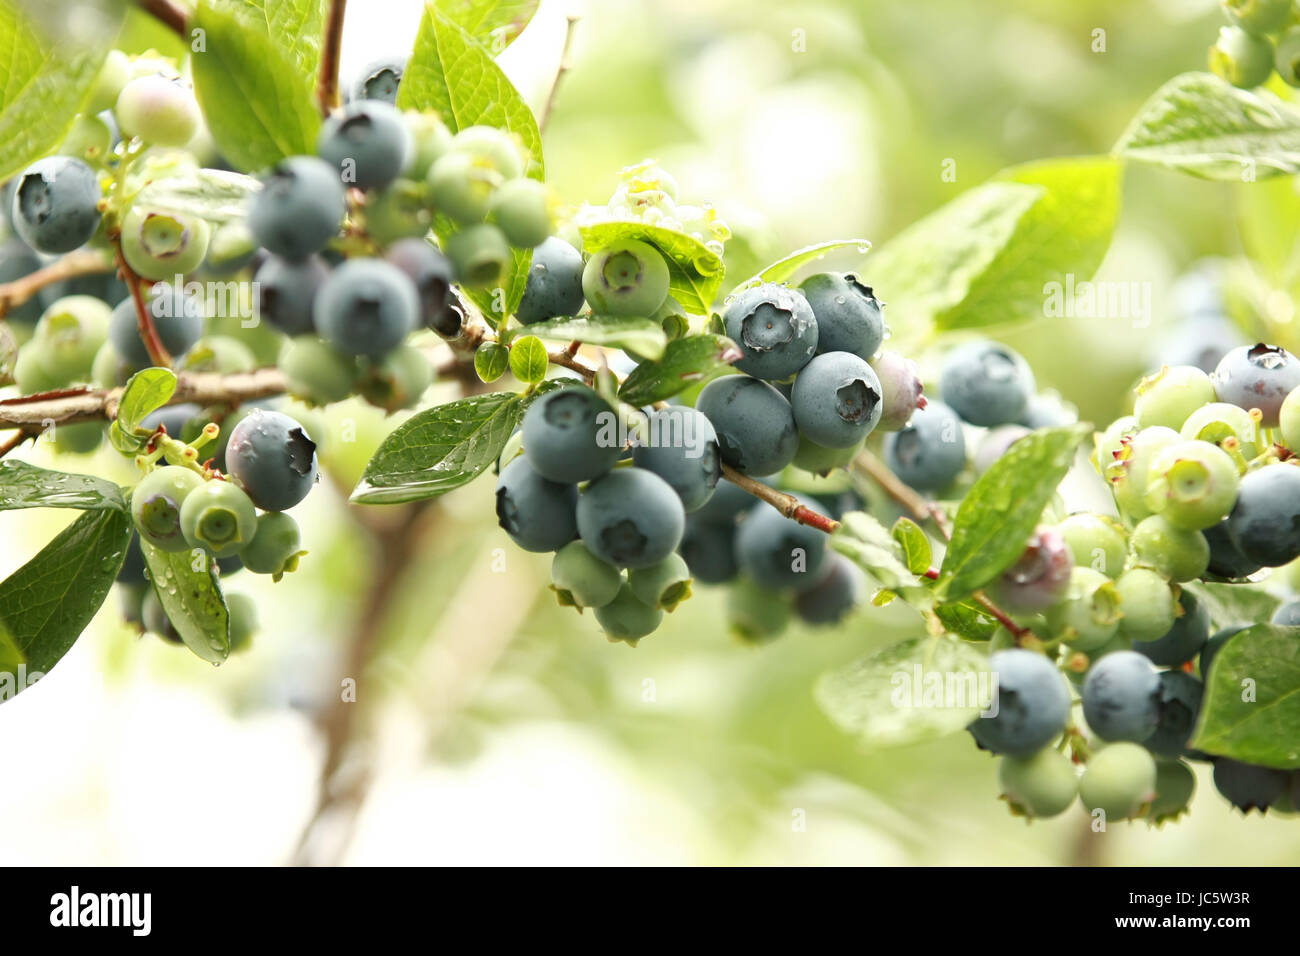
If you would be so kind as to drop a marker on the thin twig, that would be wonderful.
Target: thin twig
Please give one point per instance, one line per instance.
(170, 14)
(158, 353)
(565, 360)
(566, 64)
(327, 88)
(13, 441)
(788, 505)
(20, 291)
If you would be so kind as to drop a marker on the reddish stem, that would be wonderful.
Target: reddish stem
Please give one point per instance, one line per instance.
(158, 354)
(327, 89)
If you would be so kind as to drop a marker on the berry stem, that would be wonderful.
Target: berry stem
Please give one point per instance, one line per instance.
(80, 263)
(788, 505)
(327, 89)
(170, 14)
(13, 441)
(922, 508)
(148, 333)
(566, 64)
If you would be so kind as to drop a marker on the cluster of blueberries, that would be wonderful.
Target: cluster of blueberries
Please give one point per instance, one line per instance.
(1262, 36)
(1205, 487)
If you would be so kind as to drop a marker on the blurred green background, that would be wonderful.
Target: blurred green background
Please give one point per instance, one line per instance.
(492, 726)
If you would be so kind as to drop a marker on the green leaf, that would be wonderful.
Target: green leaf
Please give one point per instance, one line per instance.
(146, 392)
(966, 620)
(255, 78)
(643, 336)
(186, 584)
(11, 658)
(1261, 664)
(870, 545)
(216, 195)
(493, 23)
(786, 267)
(695, 272)
(989, 256)
(452, 74)
(440, 449)
(919, 689)
(1001, 511)
(27, 486)
(1205, 126)
(685, 362)
(49, 601)
(1231, 605)
(917, 553)
(528, 359)
(43, 86)
(491, 361)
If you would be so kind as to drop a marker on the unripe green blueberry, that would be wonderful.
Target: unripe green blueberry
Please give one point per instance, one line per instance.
(397, 380)
(1175, 785)
(492, 147)
(155, 619)
(275, 546)
(243, 621)
(1260, 17)
(480, 254)
(1286, 57)
(71, 332)
(630, 278)
(158, 109)
(29, 370)
(113, 75)
(160, 245)
(757, 614)
(222, 354)
(627, 618)
(109, 370)
(1096, 541)
(664, 585)
(218, 517)
(316, 372)
(89, 138)
(1193, 484)
(521, 208)
(157, 503)
(1290, 420)
(80, 438)
(1041, 785)
(1176, 554)
(398, 212)
(430, 140)
(1147, 603)
(821, 460)
(580, 579)
(1170, 396)
(230, 249)
(1089, 614)
(1243, 60)
(1120, 780)
(1129, 474)
(1110, 445)
(1229, 426)
(461, 187)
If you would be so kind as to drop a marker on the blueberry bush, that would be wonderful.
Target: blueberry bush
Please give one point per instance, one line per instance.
(820, 441)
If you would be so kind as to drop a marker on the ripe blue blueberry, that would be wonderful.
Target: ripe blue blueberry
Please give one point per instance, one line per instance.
(1248, 787)
(571, 435)
(1048, 410)
(554, 286)
(380, 80)
(539, 515)
(995, 443)
(432, 273)
(274, 459)
(366, 307)
(1039, 578)
(1288, 615)
(630, 518)
(286, 291)
(836, 400)
(848, 314)
(1258, 376)
(299, 207)
(709, 550)
(775, 328)
(986, 383)
(1184, 640)
(133, 566)
(1032, 704)
(181, 421)
(682, 449)
(755, 425)
(930, 451)
(56, 205)
(177, 317)
(17, 259)
(779, 553)
(728, 505)
(834, 597)
(1226, 559)
(1179, 704)
(1121, 697)
(1265, 522)
(366, 143)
